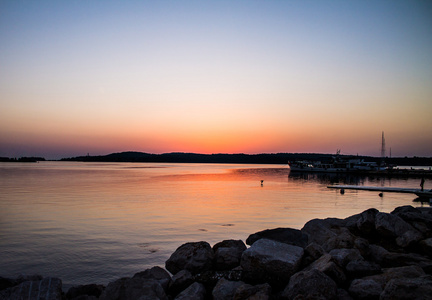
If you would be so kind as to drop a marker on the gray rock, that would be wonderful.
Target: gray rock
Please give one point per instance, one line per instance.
(134, 288)
(157, 273)
(195, 257)
(343, 239)
(94, 290)
(416, 218)
(408, 288)
(401, 272)
(365, 288)
(311, 284)
(270, 261)
(329, 233)
(236, 244)
(318, 231)
(389, 259)
(362, 268)
(327, 265)
(194, 291)
(228, 254)
(392, 226)
(364, 222)
(47, 288)
(362, 245)
(371, 287)
(255, 292)
(377, 253)
(343, 256)
(312, 252)
(180, 281)
(225, 289)
(284, 235)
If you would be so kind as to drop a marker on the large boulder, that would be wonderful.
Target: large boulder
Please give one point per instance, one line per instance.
(408, 288)
(134, 288)
(370, 287)
(311, 284)
(392, 226)
(420, 220)
(195, 291)
(158, 274)
(343, 256)
(312, 252)
(180, 281)
(363, 223)
(362, 268)
(46, 288)
(389, 259)
(226, 289)
(327, 265)
(258, 292)
(284, 235)
(227, 254)
(365, 288)
(330, 233)
(270, 261)
(195, 257)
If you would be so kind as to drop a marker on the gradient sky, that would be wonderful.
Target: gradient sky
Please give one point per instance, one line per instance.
(97, 77)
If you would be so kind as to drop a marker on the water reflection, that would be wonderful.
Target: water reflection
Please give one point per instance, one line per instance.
(97, 222)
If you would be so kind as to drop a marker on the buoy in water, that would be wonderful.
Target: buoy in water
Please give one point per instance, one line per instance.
(342, 191)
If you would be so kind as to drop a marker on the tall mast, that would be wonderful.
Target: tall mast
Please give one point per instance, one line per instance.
(383, 149)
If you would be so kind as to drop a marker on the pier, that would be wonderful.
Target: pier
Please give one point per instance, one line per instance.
(420, 193)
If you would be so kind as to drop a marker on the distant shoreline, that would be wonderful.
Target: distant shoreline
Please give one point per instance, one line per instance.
(239, 158)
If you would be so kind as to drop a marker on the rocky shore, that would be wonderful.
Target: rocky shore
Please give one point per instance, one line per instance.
(371, 255)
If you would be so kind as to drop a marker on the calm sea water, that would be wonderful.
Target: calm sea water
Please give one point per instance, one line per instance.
(96, 222)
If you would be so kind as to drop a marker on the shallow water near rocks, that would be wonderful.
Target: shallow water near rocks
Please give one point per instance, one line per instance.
(97, 222)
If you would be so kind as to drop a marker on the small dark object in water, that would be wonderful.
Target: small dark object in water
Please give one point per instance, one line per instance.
(380, 194)
(262, 181)
(342, 191)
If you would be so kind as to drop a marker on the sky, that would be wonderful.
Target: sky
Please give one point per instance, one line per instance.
(99, 77)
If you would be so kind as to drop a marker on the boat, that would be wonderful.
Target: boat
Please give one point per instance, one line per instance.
(337, 165)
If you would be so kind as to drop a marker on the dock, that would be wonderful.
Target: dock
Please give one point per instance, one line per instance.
(420, 193)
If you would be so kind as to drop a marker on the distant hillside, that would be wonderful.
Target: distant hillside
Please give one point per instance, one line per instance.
(278, 158)
(272, 158)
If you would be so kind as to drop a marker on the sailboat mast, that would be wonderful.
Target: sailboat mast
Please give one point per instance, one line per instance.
(383, 149)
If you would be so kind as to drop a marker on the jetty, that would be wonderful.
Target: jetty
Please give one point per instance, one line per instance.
(420, 193)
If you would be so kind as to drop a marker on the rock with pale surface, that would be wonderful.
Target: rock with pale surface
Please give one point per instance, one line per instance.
(289, 236)
(271, 261)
